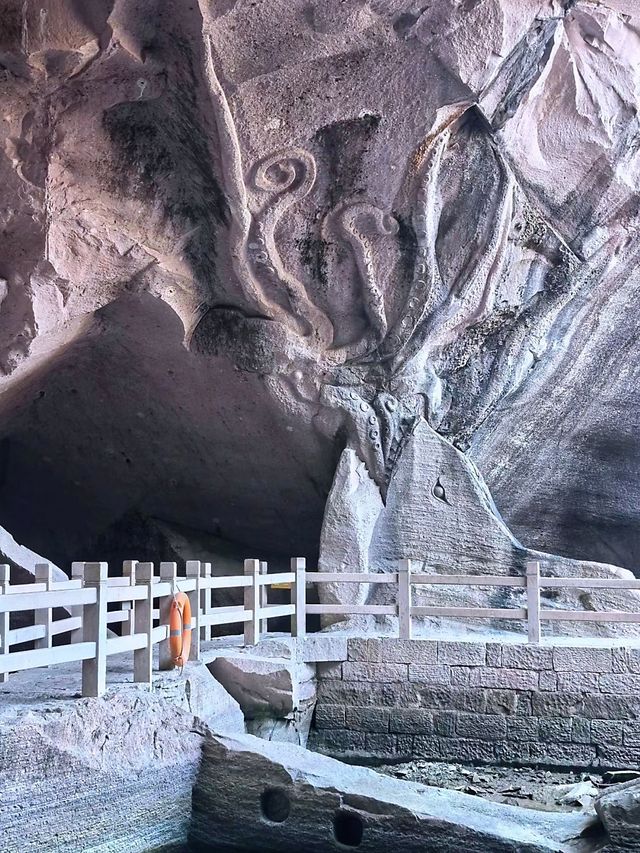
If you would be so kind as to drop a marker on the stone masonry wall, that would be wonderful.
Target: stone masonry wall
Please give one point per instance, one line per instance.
(553, 705)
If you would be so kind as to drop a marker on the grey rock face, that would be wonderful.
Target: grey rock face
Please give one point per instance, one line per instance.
(220, 265)
(277, 695)
(252, 794)
(127, 762)
(439, 512)
(619, 810)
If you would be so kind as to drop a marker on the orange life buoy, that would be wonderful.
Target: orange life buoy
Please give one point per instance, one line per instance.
(180, 629)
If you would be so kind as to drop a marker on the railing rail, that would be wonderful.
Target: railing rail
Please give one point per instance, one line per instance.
(140, 602)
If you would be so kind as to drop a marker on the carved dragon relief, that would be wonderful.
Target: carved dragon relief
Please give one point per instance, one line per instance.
(402, 366)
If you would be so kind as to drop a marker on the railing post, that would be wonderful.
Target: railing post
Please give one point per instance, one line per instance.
(94, 625)
(168, 574)
(143, 621)
(299, 597)
(4, 618)
(193, 571)
(533, 601)
(44, 574)
(77, 573)
(252, 603)
(205, 597)
(404, 599)
(129, 571)
(264, 597)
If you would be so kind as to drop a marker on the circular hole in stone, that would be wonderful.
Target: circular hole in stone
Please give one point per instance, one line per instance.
(275, 805)
(348, 828)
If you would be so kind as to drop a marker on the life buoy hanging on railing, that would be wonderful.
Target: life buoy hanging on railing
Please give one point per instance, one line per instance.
(180, 629)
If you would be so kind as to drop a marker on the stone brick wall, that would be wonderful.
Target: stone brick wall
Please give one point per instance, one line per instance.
(554, 705)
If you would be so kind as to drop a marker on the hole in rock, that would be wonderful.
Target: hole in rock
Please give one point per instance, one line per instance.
(348, 828)
(275, 805)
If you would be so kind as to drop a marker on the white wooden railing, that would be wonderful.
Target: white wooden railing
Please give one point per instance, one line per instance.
(140, 602)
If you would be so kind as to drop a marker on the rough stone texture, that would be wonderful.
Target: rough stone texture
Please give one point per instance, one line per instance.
(479, 714)
(277, 695)
(461, 534)
(239, 774)
(242, 239)
(619, 810)
(108, 775)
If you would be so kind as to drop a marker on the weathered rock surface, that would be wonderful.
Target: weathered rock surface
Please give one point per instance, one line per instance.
(277, 695)
(439, 513)
(238, 238)
(112, 775)
(255, 795)
(22, 561)
(619, 811)
(108, 775)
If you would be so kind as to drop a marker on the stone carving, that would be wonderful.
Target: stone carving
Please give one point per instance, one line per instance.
(421, 224)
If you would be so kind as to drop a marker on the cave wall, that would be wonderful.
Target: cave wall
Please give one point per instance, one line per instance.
(237, 237)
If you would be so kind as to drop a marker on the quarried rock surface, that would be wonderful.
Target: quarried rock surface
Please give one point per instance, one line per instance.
(277, 695)
(619, 811)
(439, 512)
(108, 775)
(257, 795)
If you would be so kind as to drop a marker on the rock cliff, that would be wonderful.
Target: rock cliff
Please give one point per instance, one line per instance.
(238, 239)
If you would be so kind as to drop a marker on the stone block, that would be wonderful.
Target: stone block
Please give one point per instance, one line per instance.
(555, 730)
(429, 673)
(323, 647)
(620, 660)
(503, 701)
(339, 741)
(408, 651)
(527, 657)
(569, 682)
(606, 732)
(522, 729)
(380, 744)
(460, 676)
(548, 681)
(366, 693)
(513, 752)
(614, 757)
(380, 672)
(360, 649)
(494, 654)
(462, 654)
(368, 719)
(426, 747)
(411, 721)
(620, 683)
(404, 747)
(481, 726)
(330, 717)
(510, 679)
(580, 730)
(547, 705)
(329, 670)
(563, 754)
(631, 734)
(582, 659)
(611, 707)
(450, 698)
(468, 751)
(444, 723)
